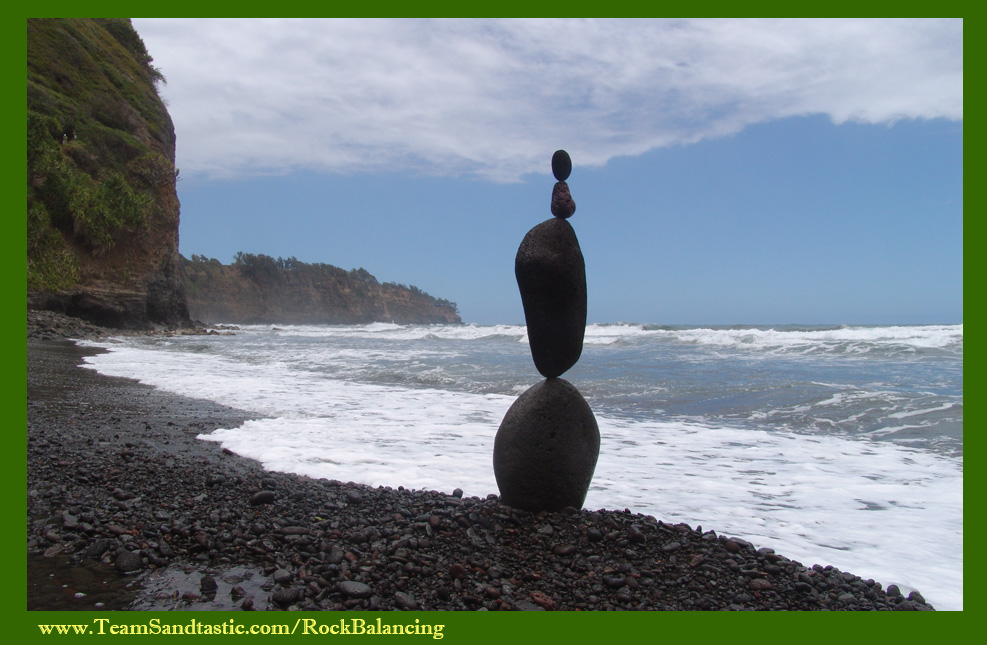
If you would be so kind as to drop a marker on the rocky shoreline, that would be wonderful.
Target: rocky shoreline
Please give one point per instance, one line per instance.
(121, 496)
(44, 324)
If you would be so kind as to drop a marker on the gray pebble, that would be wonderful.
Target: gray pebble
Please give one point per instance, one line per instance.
(208, 585)
(405, 601)
(262, 497)
(283, 576)
(354, 589)
(128, 562)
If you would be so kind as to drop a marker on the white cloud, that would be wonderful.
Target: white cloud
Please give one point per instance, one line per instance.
(490, 97)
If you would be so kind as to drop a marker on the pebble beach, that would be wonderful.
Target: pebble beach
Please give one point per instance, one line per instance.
(127, 509)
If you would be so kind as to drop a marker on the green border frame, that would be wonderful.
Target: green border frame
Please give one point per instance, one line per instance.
(459, 627)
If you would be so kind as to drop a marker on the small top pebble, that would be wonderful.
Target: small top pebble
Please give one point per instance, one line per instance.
(561, 165)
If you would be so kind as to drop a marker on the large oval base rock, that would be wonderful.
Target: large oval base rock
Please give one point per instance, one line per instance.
(551, 276)
(546, 448)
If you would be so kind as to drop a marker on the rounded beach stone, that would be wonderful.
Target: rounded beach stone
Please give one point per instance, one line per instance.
(208, 585)
(354, 589)
(546, 448)
(551, 276)
(262, 497)
(128, 562)
(561, 165)
(562, 204)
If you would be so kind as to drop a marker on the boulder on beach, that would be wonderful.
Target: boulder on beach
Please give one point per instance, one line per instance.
(546, 448)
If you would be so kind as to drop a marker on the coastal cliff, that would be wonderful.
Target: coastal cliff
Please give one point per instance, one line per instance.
(103, 209)
(102, 206)
(258, 289)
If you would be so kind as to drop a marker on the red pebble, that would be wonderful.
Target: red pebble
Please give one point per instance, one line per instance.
(562, 205)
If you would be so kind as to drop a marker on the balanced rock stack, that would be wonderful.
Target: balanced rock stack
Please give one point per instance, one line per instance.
(546, 447)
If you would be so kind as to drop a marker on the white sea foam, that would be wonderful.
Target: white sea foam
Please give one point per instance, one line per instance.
(845, 339)
(390, 331)
(877, 509)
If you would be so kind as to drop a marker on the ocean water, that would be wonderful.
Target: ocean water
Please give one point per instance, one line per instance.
(832, 445)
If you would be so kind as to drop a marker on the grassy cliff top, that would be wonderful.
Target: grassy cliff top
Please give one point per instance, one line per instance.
(100, 149)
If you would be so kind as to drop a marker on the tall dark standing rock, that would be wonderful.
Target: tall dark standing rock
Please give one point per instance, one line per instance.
(551, 276)
(547, 445)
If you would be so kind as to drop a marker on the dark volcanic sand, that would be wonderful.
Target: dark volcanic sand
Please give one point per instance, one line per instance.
(116, 480)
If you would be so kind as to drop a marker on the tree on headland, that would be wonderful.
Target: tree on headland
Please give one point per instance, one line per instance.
(263, 270)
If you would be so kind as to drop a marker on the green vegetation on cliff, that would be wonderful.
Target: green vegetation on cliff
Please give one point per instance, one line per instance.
(262, 289)
(103, 211)
(101, 205)
(89, 178)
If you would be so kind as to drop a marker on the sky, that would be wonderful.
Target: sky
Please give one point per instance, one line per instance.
(739, 171)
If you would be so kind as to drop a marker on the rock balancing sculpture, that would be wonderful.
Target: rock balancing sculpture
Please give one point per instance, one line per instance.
(546, 447)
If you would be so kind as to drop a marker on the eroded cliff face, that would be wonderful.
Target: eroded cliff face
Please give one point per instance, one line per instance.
(262, 290)
(103, 211)
(102, 206)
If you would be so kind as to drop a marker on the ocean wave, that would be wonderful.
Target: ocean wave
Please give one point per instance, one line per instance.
(844, 340)
(391, 331)
(795, 339)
